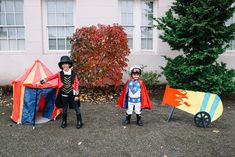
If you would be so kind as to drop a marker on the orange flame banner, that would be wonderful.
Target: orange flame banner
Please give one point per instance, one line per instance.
(175, 97)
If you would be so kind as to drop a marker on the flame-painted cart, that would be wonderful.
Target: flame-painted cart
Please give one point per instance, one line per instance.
(206, 107)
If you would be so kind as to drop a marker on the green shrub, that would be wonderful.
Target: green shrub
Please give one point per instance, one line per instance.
(151, 79)
(199, 30)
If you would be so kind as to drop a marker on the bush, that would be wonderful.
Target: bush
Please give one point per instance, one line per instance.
(214, 78)
(200, 30)
(6, 90)
(100, 55)
(151, 79)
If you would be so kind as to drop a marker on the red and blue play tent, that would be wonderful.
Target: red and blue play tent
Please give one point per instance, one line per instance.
(30, 98)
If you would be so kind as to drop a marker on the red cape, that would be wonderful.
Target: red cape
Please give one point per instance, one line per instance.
(145, 100)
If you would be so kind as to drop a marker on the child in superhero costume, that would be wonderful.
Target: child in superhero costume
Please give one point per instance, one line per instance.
(67, 92)
(134, 96)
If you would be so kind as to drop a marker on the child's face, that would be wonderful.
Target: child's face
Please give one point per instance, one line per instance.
(136, 76)
(65, 66)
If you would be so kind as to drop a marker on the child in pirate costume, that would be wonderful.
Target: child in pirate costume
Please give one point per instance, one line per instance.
(134, 96)
(67, 92)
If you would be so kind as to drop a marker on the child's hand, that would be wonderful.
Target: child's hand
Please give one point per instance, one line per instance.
(77, 93)
(76, 98)
(43, 81)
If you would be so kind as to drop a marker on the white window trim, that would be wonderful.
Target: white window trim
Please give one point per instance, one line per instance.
(141, 26)
(16, 52)
(230, 52)
(120, 19)
(45, 30)
(12, 52)
(137, 31)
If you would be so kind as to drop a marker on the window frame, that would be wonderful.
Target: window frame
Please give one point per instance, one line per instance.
(15, 26)
(128, 25)
(137, 28)
(230, 52)
(146, 26)
(46, 29)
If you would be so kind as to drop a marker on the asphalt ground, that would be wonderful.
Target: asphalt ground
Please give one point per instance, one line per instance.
(104, 136)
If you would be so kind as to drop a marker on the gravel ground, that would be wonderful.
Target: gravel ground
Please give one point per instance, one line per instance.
(103, 134)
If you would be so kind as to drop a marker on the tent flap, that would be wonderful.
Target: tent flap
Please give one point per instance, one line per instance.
(30, 101)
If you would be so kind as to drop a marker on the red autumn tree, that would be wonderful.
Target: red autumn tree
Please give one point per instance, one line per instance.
(100, 55)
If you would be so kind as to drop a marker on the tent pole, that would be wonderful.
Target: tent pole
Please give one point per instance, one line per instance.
(35, 106)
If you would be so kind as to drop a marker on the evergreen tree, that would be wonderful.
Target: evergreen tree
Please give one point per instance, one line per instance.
(198, 29)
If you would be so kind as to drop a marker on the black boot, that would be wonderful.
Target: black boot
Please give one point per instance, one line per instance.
(128, 120)
(79, 121)
(139, 121)
(64, 121)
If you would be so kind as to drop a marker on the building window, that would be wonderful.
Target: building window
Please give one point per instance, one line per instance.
(59, 24)
(137, 21)
(12, 35)
(127, 20)
(146, 25)
(232, 42)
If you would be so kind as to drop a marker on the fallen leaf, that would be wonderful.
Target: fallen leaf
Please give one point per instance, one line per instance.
(215, 131)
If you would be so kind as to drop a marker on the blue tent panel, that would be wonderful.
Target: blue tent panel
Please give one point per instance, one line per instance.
(30, 102)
